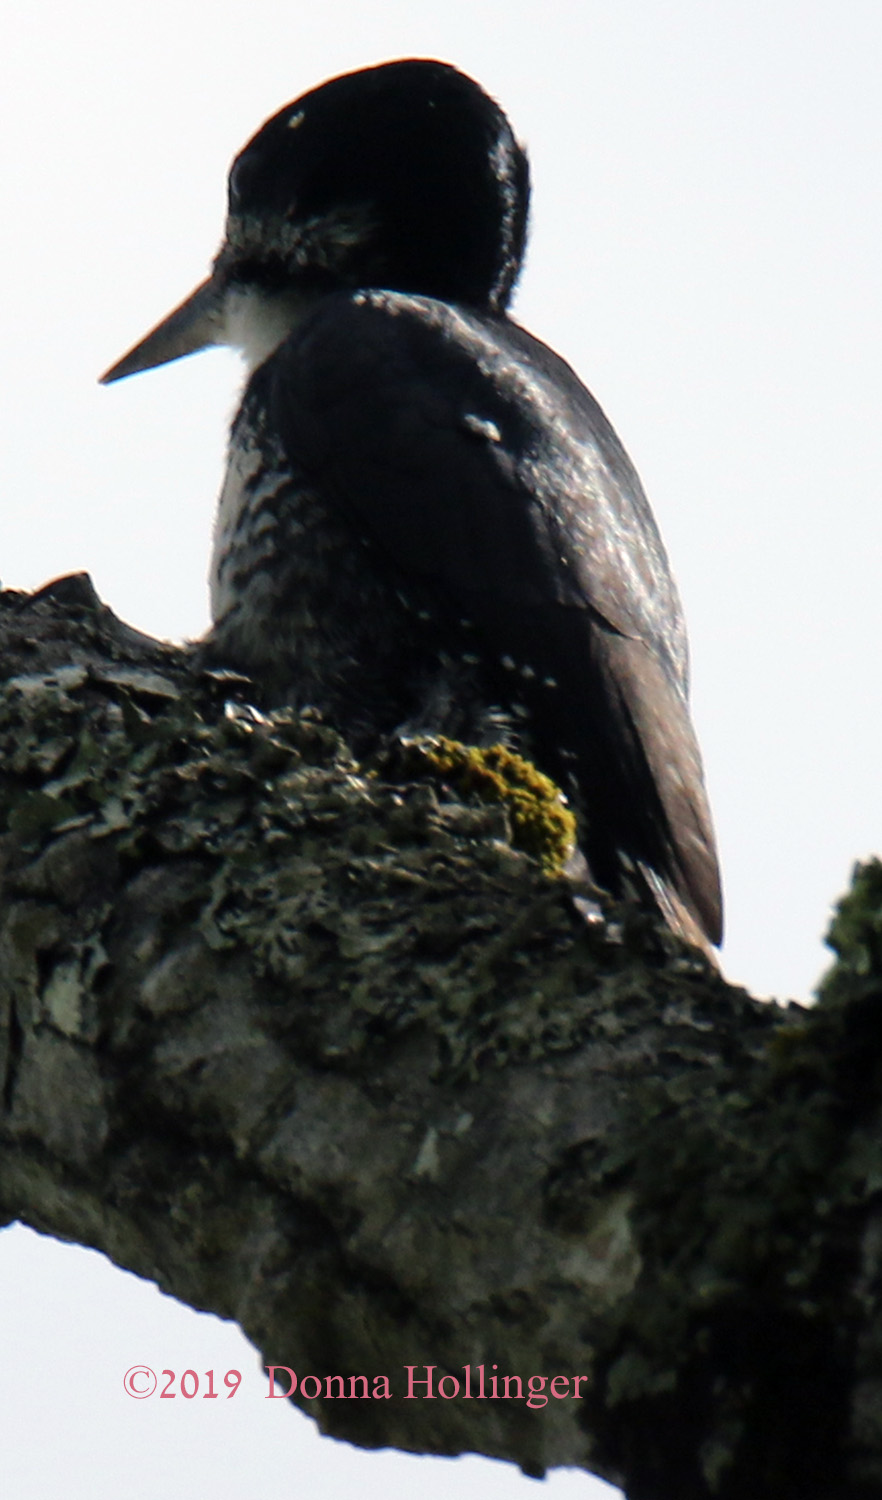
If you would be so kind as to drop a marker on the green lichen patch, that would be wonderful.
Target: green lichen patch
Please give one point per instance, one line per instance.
(541, 823)
(856, 938)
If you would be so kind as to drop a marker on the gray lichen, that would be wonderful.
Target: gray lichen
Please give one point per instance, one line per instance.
(314, 1045)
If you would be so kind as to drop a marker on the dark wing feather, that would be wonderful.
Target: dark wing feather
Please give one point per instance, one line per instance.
(481, 468)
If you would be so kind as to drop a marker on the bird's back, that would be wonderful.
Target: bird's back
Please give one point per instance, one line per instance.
(417, 491)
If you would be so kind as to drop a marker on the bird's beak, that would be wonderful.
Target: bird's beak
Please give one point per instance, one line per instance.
(198, 322)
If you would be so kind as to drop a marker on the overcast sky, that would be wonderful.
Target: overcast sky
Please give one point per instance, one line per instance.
(705, 252)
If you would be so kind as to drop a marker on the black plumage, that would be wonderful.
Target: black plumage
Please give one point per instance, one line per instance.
(427, 521)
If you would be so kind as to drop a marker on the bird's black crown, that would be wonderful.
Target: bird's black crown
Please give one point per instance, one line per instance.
(405, 176)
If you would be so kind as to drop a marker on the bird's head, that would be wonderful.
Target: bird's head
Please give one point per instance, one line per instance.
(405, 177)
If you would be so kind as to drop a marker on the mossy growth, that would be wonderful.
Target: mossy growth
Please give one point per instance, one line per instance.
(856, 937)
(541, 823)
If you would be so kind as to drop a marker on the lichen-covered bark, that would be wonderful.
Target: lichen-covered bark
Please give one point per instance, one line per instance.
(316, 1048)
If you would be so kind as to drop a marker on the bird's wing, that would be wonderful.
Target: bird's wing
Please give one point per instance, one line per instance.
(485, 474)
(523, 487)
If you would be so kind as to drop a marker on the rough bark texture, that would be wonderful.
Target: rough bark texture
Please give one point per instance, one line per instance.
(316, 1049)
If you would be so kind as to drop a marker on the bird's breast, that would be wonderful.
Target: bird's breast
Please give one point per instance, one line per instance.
(302, 602)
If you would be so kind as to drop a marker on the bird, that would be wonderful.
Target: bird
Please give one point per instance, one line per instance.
(427, 524)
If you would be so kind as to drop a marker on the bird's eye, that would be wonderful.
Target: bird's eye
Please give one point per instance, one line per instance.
(235, 185)
(242, 175)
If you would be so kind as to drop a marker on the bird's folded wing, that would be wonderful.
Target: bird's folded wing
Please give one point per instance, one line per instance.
(482, 471)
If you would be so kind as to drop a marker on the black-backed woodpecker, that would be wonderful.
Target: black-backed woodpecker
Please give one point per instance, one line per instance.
(427, 523)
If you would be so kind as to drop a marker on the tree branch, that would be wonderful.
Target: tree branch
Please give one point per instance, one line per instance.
(318, 1050)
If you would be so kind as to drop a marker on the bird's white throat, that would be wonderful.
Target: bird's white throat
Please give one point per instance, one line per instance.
(256, 322)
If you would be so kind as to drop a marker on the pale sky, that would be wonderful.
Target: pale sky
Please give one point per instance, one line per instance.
(705, 252)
